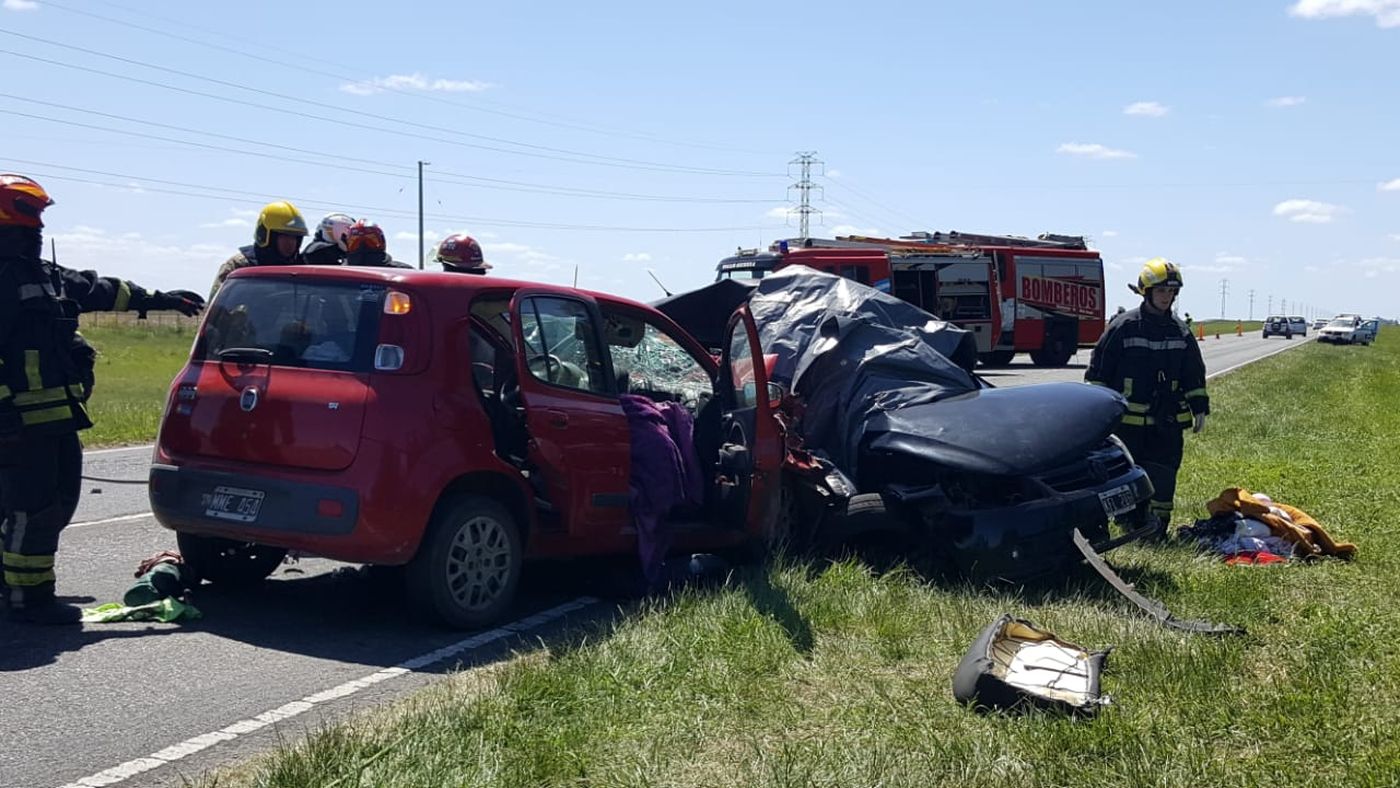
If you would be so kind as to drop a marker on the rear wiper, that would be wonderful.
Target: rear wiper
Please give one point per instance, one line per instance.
(251, 355)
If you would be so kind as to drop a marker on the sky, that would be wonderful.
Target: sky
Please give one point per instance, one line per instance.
(1252, 142)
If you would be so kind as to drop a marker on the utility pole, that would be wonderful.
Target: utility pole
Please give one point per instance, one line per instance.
(1251, 304)
(804, 187)
(1224, 288)
(1271, 305)
(1283, 307)
(420, 212)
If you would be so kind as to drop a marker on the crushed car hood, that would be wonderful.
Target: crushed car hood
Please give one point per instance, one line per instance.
(998, 431)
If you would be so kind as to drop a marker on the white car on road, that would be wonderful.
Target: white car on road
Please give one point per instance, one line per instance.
(1341, 331)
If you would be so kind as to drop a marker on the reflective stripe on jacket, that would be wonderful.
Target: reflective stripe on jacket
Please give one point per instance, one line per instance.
(1155, 363)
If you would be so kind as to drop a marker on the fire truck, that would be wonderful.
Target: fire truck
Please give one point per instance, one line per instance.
(1043, 296)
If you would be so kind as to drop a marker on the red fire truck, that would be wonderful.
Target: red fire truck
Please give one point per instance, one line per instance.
(1041, 296)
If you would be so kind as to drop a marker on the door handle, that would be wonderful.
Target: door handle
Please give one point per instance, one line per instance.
(557, 419)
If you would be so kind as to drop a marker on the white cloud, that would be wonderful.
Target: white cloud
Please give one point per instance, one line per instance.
(636, 257)
(1109, 234)
(20, 5)
(234, 221)
(1150, 109)
(833, 173)
(1308, 211)
(778, 213)
(851, 229)
(1286, 101)
(429, 236)
(1223, 258)
(1390, 186)
(1386, 12)
(413, 81)
(1094, 151)
(151, 264)
(1395, 236)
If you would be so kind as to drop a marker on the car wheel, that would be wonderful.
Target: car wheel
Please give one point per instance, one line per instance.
(468, 566)
(227, 562)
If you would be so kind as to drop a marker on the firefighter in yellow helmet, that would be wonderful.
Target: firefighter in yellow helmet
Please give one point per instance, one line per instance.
(1150, 357)
(276, 241)
(46, 377)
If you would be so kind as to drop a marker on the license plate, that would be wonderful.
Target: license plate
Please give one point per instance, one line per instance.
(1118, 501)
(233, 503)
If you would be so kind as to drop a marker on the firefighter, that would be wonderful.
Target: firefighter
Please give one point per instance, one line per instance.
(460, 253)
(46, 377)
(365, 246)
(276, 241)
(1150, 357)
(327, 246)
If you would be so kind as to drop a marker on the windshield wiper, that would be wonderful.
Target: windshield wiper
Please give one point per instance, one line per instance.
(251, 355)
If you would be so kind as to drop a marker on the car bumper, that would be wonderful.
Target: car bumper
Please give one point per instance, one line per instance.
(1032, 539)
(219, 503)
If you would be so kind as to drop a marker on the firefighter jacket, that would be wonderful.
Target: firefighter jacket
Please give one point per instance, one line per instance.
(1154, 362)
(46, 367)
(246, 256)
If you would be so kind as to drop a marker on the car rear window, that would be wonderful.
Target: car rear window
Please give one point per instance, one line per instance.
(293, 323)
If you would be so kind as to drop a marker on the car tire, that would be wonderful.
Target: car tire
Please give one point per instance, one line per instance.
(227, 562)
(468, 566)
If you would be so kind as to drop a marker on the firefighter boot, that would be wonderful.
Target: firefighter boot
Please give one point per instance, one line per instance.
(37, 605)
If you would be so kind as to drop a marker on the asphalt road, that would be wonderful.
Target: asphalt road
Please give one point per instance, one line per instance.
(150, 704)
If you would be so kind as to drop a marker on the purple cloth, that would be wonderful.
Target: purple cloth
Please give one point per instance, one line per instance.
(656, 485)
(682, 427)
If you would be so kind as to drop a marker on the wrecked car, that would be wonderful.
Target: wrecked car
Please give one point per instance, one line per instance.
(885, 417)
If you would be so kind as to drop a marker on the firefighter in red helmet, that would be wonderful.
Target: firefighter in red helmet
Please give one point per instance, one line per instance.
(460, 253)
(46, 377)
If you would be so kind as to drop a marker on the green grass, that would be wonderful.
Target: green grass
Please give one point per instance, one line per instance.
(833, 675)
(135, 364)
(1223, 327)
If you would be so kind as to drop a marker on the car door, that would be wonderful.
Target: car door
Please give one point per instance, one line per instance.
(751, 450)
(1367, 332)
(579, 442)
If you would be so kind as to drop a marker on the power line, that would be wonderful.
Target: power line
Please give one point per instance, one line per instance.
(374, 210)
(575, 157)
(390, 88)
(338, 160)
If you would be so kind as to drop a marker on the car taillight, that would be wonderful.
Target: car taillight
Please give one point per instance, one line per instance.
(388, 358)
(397, 303)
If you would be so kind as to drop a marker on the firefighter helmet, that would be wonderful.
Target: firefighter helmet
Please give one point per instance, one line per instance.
(334, 229)
(364, 236)
(278, 217)
(22, 200)
(461, 253)
(1157, 272)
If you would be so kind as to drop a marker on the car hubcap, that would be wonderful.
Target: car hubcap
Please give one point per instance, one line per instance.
(478, 563)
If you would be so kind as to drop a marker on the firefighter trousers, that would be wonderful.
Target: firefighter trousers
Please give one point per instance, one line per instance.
(1159, 453)
(40, 481)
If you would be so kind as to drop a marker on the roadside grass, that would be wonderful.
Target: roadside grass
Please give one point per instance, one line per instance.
(1227, 327)
(135, 364)
(806, 673)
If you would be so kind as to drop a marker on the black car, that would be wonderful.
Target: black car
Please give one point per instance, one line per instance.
(881, 397)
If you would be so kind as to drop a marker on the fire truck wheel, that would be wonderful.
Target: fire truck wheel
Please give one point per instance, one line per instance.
(997, 358)
(468, 565)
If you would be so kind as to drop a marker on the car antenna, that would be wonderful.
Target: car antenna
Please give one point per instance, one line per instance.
(652, 274)
(575, 276)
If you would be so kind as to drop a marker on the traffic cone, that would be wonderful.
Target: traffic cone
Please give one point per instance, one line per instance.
(1239, 329)
(1201, 333)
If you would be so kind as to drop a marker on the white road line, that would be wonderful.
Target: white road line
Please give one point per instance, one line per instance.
(1251, 361)
(95, 452)
(125, 771)
(121, 519)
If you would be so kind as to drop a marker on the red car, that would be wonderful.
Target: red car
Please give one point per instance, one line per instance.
(383, 416)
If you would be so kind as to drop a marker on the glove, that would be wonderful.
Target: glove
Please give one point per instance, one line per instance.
(183, 301)
(1198, 423)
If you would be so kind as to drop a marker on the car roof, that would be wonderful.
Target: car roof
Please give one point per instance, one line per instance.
(433, 280)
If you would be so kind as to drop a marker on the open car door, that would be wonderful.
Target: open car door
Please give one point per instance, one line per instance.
(751, 448)
(578, 436)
